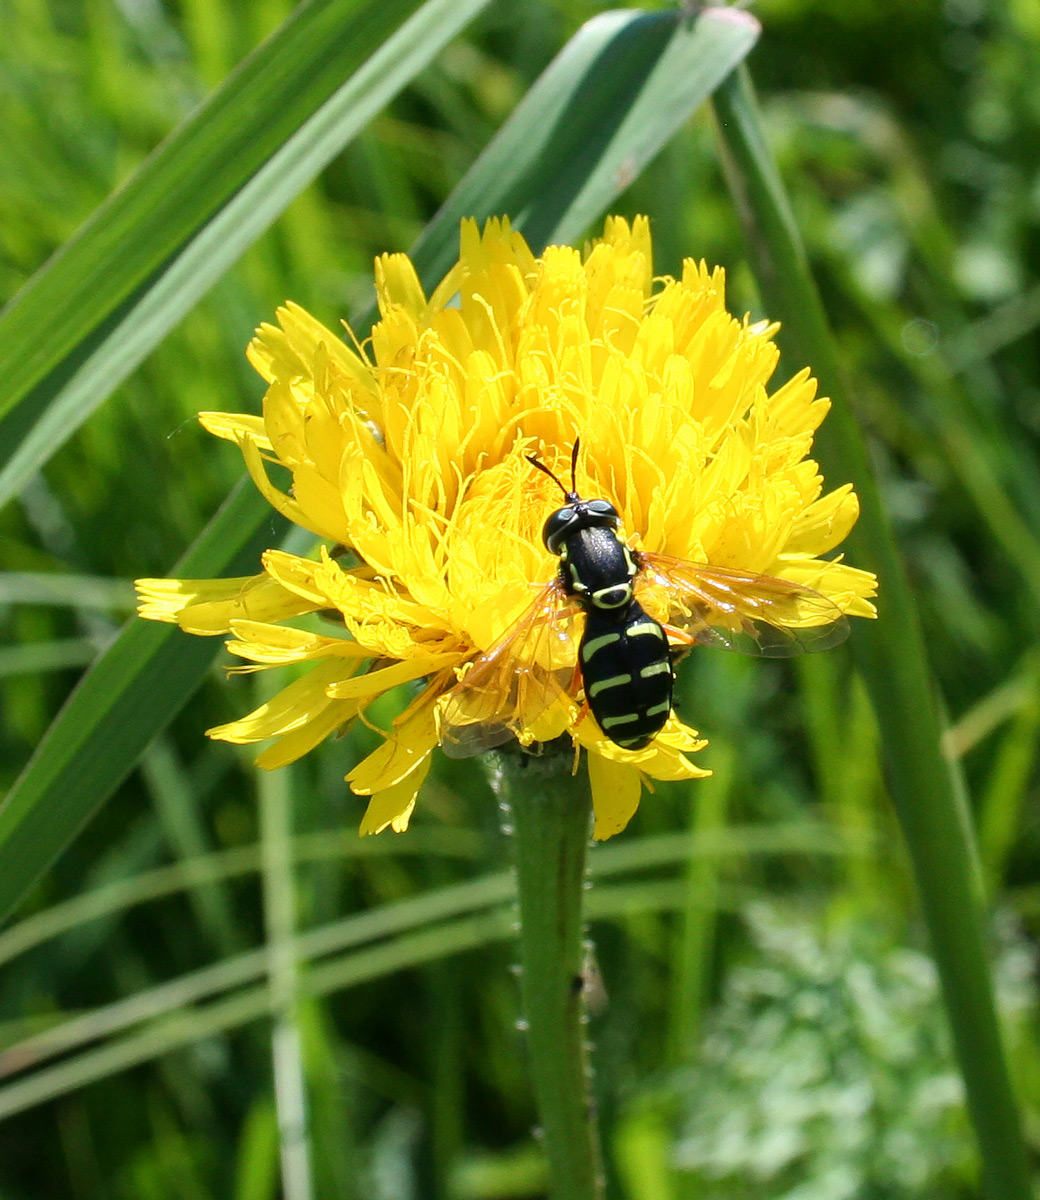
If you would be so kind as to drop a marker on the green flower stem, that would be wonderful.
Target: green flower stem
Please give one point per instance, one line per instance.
(890, 654)
(550, 810)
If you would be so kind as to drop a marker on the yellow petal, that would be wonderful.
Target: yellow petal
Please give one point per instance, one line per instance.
(306, 334)
(393, 805)
(824, 523)
(286, 405)
(298, 742)
(397, 285)
(363, 598)
(615, 795)
(283, 353)
(364, 687)
(556, 719)
(208, 606)
(233, 426)
(296, 575)
(411, 743)
(273, 645)
(279, 501)
(293, 707)
(848, 587)
(680, 737)
(662, 759)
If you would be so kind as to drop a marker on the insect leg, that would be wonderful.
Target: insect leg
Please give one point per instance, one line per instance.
(679, 635)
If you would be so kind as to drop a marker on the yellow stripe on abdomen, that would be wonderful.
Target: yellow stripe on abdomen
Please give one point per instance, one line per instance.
(602, 685)
(596, 644)
(646, 628)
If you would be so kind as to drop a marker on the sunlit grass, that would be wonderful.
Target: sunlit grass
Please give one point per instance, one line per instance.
(143, 945)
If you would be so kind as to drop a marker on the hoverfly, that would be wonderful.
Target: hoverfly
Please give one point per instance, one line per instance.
(625, 659)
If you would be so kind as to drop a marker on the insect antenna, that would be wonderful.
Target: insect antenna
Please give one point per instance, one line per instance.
(574, 467)
(573, 493)
(545, 470)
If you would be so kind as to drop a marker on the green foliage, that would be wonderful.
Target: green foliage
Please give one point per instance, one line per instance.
(826, 1071)
(136, 995)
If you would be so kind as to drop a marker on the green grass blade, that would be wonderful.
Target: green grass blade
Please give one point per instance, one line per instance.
(199, 167)
(275, 799)
(603, 108)
(70, 591)
(37, 657)
(93, 743)
(181, 819)
(96, 310)
(95, 739)
(183, 1027)
(891, 655)
(642, 854)
(430, 939)
(221, 865)
(388, 920)
(695, 940)
(981, 461)
(1006, 792)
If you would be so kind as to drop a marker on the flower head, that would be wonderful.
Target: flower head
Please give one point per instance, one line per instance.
(409, 460)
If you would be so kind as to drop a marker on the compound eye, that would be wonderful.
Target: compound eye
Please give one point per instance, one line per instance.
(603, 508)
(556, 527)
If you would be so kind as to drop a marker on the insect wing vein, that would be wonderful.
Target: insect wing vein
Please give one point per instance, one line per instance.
(743, 611)
(514, 682)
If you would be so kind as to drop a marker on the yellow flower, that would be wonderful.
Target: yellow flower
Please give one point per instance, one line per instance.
(408, 459)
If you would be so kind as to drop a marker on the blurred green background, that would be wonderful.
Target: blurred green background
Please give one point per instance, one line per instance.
(771, 1026)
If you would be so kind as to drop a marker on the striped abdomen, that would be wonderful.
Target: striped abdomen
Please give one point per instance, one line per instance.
(627, 673)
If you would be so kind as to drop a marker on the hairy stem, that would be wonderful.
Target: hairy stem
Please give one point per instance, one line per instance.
(550, 810)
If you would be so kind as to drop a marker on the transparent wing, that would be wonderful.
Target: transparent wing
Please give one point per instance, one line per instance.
(514, 682)
(743, 611)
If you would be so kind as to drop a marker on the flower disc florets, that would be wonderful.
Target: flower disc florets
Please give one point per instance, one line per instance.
(408, 461)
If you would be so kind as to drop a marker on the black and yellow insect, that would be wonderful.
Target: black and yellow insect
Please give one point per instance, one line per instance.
(625, 656)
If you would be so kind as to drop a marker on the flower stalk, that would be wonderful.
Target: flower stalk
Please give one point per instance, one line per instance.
(550, 810)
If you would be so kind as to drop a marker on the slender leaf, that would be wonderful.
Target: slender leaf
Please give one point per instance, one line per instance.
(275, 798)
(35, 657)
(182, 1026)
(98, 736)
(199, 167)
(601, 111)
(71, 591)
(109, 298)
(891, 655)
(638, 854)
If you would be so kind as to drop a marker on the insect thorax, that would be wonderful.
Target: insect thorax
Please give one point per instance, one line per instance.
(597, 568)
